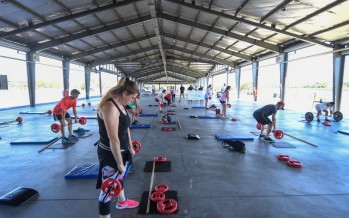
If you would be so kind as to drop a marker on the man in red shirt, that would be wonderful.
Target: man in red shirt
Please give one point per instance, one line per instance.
(61, 110)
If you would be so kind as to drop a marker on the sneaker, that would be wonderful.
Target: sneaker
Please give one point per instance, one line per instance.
(160, 111)
(268, 140)
(127, 204)
(72, 137)
(65, 140)
(261, 136)
(327, 120)
(318, 120)
(135, 121)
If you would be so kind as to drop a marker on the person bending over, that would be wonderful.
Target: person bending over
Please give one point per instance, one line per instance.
(324, 107)
(168, 98)
(60, 111)
(160, 99)
(262, 114)
(115, 144)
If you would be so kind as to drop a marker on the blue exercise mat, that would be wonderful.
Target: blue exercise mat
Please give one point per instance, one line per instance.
(149, 115)
(83, 171)
(33, 140)
(87, 117)
(140, 126)
(222, 137)
(208, 117)
(342, 132)
(198, 107)
(24, 112)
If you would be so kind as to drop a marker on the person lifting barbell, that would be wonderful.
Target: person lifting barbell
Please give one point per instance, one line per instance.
(261, 115)
(61, 110)
(324, 107)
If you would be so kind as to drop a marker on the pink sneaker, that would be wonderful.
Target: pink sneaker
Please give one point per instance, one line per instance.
(127, 204)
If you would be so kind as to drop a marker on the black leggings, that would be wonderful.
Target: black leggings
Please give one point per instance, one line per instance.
(168, 101)
(106, 171)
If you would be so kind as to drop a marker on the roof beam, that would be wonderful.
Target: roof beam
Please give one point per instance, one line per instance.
(114, 58)
(154, 8)
(218, 60)
(150, 68)
(302, 38)
(282, 4)
(107, 47)
(171, 74)
(62, 40)
(333, 4)
(245, 57)
(243, 38)
(66, 18)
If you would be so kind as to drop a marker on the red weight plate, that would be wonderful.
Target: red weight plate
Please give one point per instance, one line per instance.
(162, 188)
(167, 206)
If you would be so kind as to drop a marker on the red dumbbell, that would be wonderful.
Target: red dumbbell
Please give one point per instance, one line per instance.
(137, 146)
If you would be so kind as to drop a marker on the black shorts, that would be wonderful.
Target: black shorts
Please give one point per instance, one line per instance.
(157, 100)
(57, 117)
(222, 102)
(261, 118)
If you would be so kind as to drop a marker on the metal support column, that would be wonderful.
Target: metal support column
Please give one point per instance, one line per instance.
(255, 79)
(283, 74)
(338, 74)
(88, 70)
(31, 77)
(66, 68)
(237, 80)
(100, 83)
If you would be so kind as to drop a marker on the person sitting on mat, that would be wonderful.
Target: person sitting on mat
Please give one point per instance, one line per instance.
(160, 99)
(61, 110)
(325, 107)
(224, 100)
(115, 144)
(261, 115)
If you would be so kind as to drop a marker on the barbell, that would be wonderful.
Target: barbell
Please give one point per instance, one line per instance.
(57, 127)
(337, 116)
(18, 119)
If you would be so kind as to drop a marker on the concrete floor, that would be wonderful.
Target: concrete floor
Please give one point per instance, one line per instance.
(210, 180)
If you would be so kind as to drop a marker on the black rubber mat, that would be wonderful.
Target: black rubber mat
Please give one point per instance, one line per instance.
(152, 205)
(84, 135)
(159, 166)
(277, 144)
(60, 145)
(256, 133)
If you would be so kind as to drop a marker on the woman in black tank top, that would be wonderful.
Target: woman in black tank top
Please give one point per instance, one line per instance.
(115, 144)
